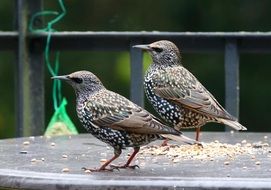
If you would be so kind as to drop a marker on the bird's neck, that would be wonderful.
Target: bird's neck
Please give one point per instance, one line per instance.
(86, 92)
(162, 66)
(80, 98)
(81, 101)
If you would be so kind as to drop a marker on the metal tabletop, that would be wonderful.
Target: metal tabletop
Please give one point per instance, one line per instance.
(55, 163)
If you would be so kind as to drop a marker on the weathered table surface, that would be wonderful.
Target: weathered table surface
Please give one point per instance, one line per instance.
(38, 163)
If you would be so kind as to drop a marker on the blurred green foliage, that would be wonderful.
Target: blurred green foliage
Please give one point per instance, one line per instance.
(151, 15)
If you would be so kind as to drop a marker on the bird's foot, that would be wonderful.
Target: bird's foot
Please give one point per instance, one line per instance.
(99, 169)
(124, 166)
(199, 144)
(165, 143)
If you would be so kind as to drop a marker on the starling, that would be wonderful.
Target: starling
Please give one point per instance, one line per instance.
(177, 95)
(114, 119)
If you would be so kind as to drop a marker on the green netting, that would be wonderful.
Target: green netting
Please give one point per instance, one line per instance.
(60, 123)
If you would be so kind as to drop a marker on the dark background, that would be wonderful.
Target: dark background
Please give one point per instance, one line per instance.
(151, 15)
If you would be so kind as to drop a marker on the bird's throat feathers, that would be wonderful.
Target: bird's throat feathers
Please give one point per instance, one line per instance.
(86, 92)
(162, 63)
(159, 65)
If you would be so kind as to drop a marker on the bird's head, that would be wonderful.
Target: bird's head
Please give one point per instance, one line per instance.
(162, 52)
(82, 82)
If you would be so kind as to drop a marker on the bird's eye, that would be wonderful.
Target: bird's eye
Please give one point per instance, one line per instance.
(157, 49)
(77, 80)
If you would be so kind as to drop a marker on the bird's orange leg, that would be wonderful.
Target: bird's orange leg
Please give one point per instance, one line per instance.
(165, 142)
(127, 164)
(103, 167)
(197, 133)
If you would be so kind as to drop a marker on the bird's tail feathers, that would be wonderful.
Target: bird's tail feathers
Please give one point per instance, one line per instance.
(234, 124)
(181, 138)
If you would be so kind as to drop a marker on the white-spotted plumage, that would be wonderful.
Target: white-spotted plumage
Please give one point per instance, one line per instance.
(176, 94)
(114, 119)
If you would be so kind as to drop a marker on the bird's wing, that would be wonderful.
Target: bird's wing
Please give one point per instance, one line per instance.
(116, 112)
(180, 86)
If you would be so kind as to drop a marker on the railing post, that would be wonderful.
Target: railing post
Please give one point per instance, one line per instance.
(232, 77)
(29, 81)
(136, 70)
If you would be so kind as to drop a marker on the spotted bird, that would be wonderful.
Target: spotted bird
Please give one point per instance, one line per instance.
(177, 95)
(114, 119)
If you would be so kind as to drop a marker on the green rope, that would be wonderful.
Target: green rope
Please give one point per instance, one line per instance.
(60, 123)
(57, 97)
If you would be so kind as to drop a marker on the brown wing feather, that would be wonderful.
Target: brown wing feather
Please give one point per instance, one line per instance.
(140, 121)
(184, 89)
(117, 112)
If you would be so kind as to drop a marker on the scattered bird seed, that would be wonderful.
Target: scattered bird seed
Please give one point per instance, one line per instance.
(26, 143)
(248, 145)
(33, 160)
(244, 141)
(210, 151)
(238, 144)
(260, 144)
(65, 170)
(103, 160)
(176, 160)
(226, 163)
(87, 171)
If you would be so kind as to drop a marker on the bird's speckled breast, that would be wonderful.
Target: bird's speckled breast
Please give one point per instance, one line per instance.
(114, 138)
(170, 112)
(180, 117)
(109, 136)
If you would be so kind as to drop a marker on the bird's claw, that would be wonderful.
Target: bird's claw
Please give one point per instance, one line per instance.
(124, 166)
(164, 143)
(134, 166)
(199, 144)
(100, 169)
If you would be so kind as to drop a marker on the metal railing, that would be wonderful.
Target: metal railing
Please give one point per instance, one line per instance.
(30, 69)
